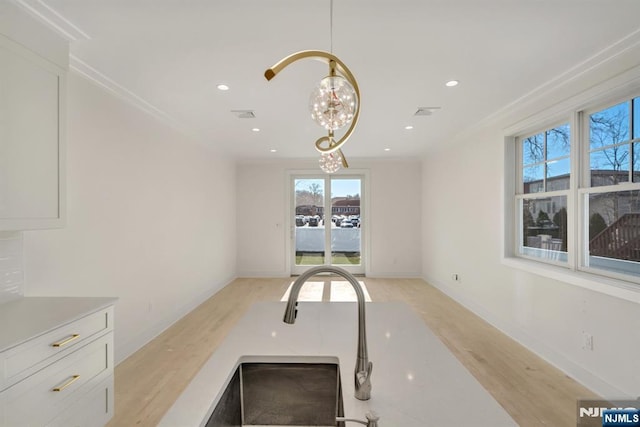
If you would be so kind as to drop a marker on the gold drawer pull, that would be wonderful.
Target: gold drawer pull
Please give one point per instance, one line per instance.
(66, 341)
(72, 380)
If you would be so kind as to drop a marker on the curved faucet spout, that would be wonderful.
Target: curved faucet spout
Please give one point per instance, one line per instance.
(362, 374)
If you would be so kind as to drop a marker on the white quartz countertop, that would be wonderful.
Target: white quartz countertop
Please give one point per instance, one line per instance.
(29, 317)
(416, 380)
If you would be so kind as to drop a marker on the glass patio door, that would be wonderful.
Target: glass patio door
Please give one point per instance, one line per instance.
(327, 222)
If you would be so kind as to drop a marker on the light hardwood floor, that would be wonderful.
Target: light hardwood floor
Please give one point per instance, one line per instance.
(533, 392)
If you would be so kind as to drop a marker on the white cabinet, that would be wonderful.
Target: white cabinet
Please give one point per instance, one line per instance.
(32, 100)
(63, 374)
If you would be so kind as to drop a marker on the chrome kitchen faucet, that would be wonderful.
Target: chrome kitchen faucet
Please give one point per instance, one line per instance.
(362, 374)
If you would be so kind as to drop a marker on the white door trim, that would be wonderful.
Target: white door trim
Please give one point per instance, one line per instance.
(365, 213)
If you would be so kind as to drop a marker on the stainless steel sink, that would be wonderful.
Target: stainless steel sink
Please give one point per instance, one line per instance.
(272, 392)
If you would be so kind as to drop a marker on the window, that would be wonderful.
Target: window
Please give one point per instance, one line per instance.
(610, 145)
(543, 193)
(326, 210)
(578, 193)
(611, 192)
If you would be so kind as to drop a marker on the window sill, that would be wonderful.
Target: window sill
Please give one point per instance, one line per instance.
(605, 285)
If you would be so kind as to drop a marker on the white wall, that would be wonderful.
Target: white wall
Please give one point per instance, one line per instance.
(261, 211)
(151, 218)
(463, 233)
(395, 216)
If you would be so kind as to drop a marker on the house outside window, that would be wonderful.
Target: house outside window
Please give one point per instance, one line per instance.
(577, 191)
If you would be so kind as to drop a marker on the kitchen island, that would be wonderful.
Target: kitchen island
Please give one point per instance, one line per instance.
(416, 380)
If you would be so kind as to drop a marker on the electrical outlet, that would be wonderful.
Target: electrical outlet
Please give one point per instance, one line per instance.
(455, 277)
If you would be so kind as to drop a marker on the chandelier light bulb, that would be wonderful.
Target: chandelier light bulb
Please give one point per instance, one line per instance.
(330, 162)
(333, 103)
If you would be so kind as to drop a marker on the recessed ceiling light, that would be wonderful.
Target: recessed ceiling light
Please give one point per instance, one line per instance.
(452, 83)
(408, 127)
(222, 87)
(273, 150)
(387, 149)
(255, 130)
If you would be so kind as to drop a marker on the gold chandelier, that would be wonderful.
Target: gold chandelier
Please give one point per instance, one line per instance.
(334, 104)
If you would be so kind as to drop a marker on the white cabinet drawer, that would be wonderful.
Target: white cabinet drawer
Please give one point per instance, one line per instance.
(29, 357)
(93, 409)
(41, 397)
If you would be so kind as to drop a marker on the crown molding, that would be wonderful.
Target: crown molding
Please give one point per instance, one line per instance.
(53, 19)
(71, 32)
(46, 14)
(616, 66)
(86, 71)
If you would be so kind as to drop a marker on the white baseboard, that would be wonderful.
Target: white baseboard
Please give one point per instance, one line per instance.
(125, 350)
(265, 274)
(393, 274)
(549, 354)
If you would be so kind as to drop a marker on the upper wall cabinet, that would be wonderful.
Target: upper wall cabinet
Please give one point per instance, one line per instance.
(32, 155)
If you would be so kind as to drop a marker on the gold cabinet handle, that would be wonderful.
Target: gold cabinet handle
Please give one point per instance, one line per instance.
(72, 380)
(66, 341)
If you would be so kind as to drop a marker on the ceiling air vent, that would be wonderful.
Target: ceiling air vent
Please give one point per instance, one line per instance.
(425, 111)
(244, 114)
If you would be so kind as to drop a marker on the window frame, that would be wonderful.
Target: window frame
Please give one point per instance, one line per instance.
(577, 266)
(585, 188)
(289, 236)
(520, 195)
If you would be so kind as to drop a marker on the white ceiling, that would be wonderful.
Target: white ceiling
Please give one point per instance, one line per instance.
(169, 55)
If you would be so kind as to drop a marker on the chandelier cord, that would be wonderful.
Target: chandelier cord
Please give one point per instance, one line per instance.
(331, 26)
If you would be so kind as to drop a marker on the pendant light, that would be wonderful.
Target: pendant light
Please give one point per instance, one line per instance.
(334, 103)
